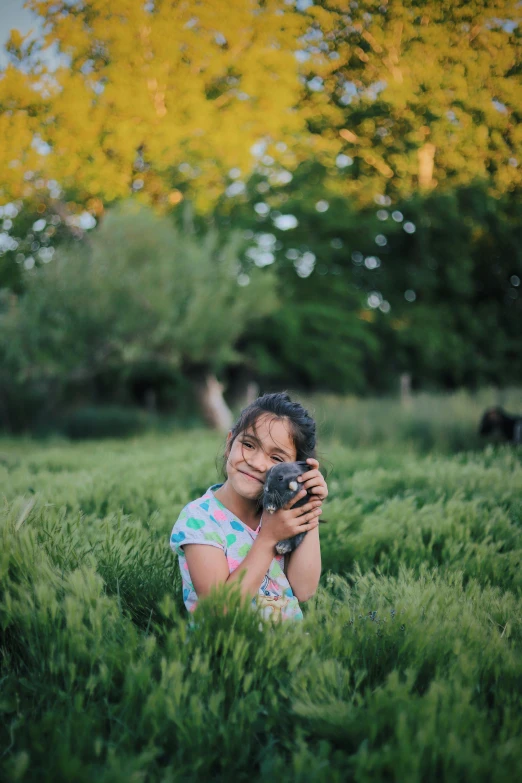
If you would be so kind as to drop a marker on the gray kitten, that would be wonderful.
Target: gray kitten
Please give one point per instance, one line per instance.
(281, 485)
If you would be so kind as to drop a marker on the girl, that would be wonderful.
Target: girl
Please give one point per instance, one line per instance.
(221, 538)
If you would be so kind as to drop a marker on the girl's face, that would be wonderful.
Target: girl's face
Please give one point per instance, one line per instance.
(253, 453)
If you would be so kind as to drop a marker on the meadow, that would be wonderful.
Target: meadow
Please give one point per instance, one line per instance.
(408, 664)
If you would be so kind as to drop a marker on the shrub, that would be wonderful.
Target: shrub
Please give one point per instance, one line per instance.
(102, 421)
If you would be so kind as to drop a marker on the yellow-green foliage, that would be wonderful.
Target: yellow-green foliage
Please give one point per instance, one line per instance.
(407, 667)
(418, 95)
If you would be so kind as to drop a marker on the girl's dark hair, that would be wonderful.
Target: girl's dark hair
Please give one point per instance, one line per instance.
(280, 405)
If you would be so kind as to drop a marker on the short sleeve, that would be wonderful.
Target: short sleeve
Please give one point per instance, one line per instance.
(194, 526)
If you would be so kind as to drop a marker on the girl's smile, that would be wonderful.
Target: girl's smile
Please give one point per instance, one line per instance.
(251, 477)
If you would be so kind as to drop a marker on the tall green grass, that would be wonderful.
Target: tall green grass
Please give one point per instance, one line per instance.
(407, 667)
(444, 422)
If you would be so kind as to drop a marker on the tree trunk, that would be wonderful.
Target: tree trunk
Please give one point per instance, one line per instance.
(426, 155)
(151, 400)
(214, 408)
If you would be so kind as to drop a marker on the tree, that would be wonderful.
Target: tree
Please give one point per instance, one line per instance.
(170, 98)
(138, 293)
(317, 338)
(424, 94)
(451, 271)
(428, 285)
(316, 111)
(150, 93)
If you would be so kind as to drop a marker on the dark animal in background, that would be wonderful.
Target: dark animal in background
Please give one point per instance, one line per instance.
(281, 485)
(497, 421)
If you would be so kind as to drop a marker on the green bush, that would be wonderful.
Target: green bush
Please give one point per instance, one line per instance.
(102, 421)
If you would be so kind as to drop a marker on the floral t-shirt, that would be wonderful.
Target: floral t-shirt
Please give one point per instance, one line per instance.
(207, 521)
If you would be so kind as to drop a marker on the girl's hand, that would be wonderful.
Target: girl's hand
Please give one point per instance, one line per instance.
(289, 521)
(313, 480)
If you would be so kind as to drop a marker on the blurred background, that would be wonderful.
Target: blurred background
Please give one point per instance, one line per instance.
(199, 202)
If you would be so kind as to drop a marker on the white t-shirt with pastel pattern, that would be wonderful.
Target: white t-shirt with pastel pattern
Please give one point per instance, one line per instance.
(207, 521)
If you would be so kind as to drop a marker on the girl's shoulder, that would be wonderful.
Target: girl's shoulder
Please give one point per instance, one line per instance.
(204, 504)
(198, 522)
(206, 508)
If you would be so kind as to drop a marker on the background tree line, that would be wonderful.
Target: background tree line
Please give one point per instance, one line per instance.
(335, 192)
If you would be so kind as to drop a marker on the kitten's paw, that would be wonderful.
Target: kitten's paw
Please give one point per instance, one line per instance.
(289, 544)
(283, 547)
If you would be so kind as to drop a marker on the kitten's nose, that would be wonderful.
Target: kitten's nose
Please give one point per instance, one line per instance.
(293, 486)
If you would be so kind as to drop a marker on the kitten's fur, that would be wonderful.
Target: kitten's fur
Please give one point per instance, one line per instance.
(281, 485)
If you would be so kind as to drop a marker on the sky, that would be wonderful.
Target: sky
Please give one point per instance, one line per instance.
(13, 15)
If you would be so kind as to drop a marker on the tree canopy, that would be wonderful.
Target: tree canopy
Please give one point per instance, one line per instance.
(138, 293)
(167, 99)
(367, 152)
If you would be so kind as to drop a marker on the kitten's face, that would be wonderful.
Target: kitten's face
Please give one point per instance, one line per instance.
(281, 484)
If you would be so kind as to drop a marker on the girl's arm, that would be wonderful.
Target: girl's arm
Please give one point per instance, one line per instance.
(304, 566)
(208, 567)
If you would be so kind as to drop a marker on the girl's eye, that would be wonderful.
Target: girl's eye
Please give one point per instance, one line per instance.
(246, 443)
(277, 459)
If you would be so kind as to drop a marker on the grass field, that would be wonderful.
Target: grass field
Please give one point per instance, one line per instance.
(408, 665)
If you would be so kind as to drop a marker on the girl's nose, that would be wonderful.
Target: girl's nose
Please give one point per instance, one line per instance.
(259, 462)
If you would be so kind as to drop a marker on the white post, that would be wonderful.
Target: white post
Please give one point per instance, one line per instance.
(405, 389)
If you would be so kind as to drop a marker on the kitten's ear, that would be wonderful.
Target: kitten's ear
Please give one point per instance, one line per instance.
(304, 465)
